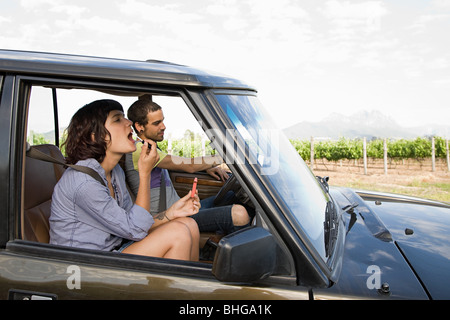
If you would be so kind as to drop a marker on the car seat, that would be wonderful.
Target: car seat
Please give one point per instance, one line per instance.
(40, 180)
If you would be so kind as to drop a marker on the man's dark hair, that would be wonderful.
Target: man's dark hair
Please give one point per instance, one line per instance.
(138, 111)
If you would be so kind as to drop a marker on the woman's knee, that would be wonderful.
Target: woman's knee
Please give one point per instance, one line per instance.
(179, 230)
(240, 215)
(191, 225)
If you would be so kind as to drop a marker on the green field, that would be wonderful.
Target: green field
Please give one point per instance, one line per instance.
(435, 186)
(436, 191)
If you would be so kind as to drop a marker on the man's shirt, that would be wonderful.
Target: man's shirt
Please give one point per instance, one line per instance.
(155, 183)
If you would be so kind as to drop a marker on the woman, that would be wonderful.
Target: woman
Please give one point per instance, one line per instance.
(87, 214)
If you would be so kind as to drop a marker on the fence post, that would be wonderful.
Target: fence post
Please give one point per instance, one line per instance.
(312, 153)
(433, 155)
(203, 144)
(448, 155)
(365, 155)
(385, 155)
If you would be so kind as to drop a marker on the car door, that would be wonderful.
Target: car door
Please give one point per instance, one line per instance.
(31, 269)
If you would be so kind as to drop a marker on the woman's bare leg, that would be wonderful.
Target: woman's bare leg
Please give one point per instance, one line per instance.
(172, 240)
(195, 234)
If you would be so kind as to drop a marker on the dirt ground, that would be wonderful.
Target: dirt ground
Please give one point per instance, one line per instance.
(411, 177)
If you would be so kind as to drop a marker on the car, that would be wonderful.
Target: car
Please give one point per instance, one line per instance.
(308, 240)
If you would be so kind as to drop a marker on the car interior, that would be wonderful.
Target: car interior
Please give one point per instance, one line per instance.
(51, 106)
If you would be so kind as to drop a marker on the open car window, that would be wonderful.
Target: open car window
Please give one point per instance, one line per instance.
(50, 109)
(41, 122)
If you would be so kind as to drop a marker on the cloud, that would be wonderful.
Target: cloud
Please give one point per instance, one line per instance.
(283, 20)
(358, 51)
(69, 10)
(53, 6)
(235, 24)
(162, 14)
(4, 20)
(229, 14)
(345, 15)
(282, 9)
(170, 24)
(34, 4)
(223, 8)
(425, 21)
(350, 33)
(439, 63)
(441, 3)
(99, 26)
(370, 60)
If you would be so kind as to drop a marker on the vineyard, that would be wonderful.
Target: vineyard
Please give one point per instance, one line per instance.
(418, 167)
(420, 148)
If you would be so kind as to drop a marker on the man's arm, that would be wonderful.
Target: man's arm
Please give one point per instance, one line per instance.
(191, 165)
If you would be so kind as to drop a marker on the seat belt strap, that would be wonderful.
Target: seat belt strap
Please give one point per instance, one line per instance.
(162, 192)
(36, 154)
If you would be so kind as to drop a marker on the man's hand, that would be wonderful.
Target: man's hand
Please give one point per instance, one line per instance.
(218, 173)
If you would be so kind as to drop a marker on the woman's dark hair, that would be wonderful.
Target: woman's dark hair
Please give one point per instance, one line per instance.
(86, 133)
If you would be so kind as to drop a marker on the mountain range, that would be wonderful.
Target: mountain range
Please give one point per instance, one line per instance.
(369, 124)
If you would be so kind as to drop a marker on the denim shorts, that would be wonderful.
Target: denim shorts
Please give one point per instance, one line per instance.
(125, 244)
(216, 219)
(212, 218)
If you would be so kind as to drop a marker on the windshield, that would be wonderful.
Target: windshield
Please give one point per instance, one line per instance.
(278, 163)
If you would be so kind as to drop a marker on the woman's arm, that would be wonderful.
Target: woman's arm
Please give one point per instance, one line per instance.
(147, 159)
(185, 207)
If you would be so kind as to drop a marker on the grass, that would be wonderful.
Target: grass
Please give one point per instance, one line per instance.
(434, 186)
(438, 191)
(434, 191)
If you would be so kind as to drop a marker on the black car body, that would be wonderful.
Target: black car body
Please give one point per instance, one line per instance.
(307, 241)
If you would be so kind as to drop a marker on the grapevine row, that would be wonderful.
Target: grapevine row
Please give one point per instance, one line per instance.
(345, 148)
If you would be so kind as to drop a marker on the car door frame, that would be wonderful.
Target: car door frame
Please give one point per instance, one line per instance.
(13, 251)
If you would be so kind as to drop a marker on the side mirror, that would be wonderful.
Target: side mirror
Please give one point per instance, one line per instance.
(247, 255)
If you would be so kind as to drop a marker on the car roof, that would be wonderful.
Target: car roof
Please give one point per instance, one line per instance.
(150, 71)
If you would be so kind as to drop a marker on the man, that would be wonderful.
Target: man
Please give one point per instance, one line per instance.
(148, 123)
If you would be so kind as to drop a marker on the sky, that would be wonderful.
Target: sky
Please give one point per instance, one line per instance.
(307, 58)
